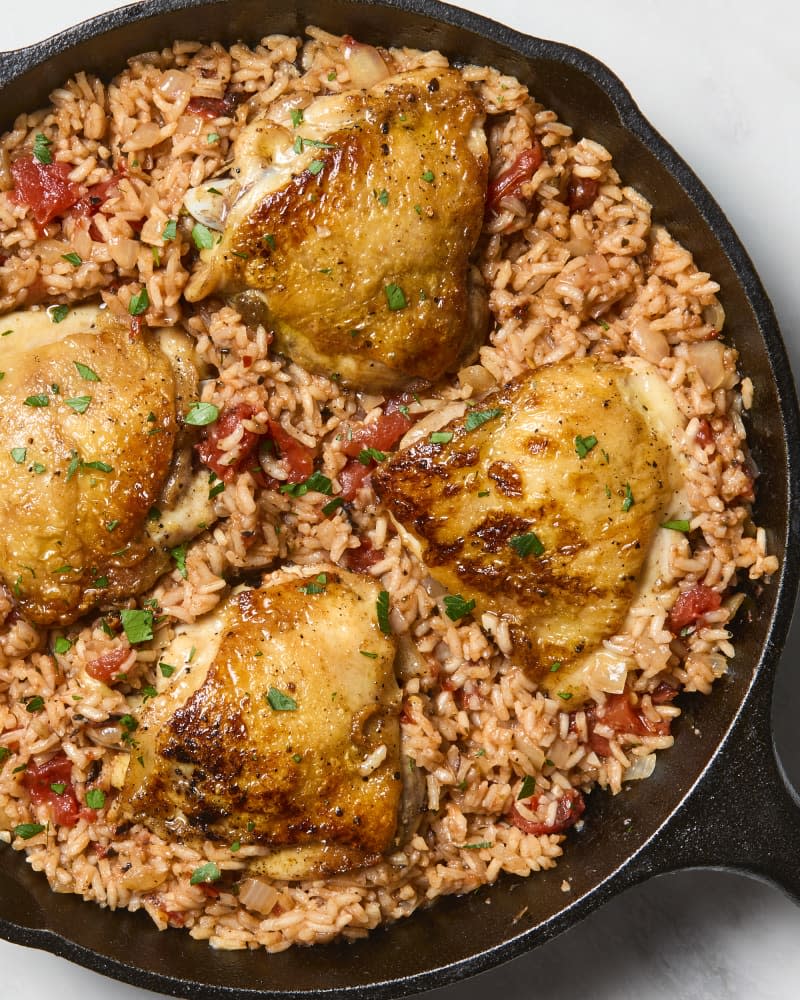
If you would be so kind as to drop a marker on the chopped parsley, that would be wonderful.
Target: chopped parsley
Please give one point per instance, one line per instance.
(58, 313)
(604, 325)
(382, 197)
(528, 787)
(441, 437)
(236, 846)
(72, 258)
(98, 466)
(139, 303)
(101, 582)
(212, 137)
(428, 176)
(382, 611)
(170, 230)
(41, 148)
(476, 847)
(179, 555)
(95, 798)
(527, 544)
(315, 166)
(369, 656)
(677, 525)
(483, 493)
(300, 143)
(18, 454)
(555, 666)
(279, 701)
(201, 414)
(156, 256)
(456, 607)
(137, 625)
(80, 404)
(34, 704)
(62, 645)
(27, 830)
(476, 418)
(395, 297)
(4, 752)
(316, 483)
(315, 586)
(39, 399)
(269, 239)
(332, 506)
(583, 445)
(148, 692)
(167, 670)
(112, 526)
(367, 455)
(565, 695)
(86, 372)
(202, 237)
(59, 787)
(297, 116)
(628, 502)
(206, 873)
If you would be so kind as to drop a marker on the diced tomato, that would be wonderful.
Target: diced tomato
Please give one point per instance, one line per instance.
(361, 559)
(44, 187)
(382, 433)
(664, 694)
(581, 193)
(569, 810)
(511, 180)
(352, 477)
(298, 457)
(210, 108)
(225, 425)
(105, 667)
(96, 196)
(691, 605)
(705, 434)
(620, 715)
(57, 771)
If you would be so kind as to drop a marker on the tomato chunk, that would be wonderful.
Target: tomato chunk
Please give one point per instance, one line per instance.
(360, 560)
(569, 810)
(621, 716)
(96, 196)
(511, 180)
(299, 458)
(352, 477)
(39, 778)
(382, 433)
(210, 108)
(107, 666)
(581, 193)
(211, 455)
(44, 187)
(691, 605)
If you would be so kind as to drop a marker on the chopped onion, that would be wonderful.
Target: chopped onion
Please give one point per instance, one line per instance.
(607, 672)
(365, 64)
(145, 877)
(409, 662)
(478, 378)
(144, 136)
(648, 343)
(257, 895)
(433, 422)
(124, 252)
(708, 357)
(176, 84)
(6, 180)
(579, 246)
(597, 263)
(641, 768)
(714, 315)
(119, 768)
(207, 207)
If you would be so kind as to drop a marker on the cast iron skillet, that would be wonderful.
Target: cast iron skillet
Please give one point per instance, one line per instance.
(711, 796)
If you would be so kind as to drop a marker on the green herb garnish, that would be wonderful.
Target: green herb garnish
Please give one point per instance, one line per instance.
(139, 303)
(528, 787)
(279, 701)
(41, 148)
(456, 607)
(72, 258)
(202, 237)
(18, 454)
(39, 399)
(628, 502)
(80, 404)
(137, 625)
(382, 611)
(441, 437)
(428, 176)
(677, 525)
(368, 455)
(583, 445)
(315, 586)
(316, 483)
(95, 798)
(395, 297)
(167, 670)
(27, 830)
(62, 645)
(332, 506)
(201, 414)
(179, 555)
(476, 418)
(527, 544)
(205, 873)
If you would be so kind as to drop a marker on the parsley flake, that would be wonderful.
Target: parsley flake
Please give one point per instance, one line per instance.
(382, 611)
(139, 303)
(316, 483)
(583, 445)
(59, 787)
(297, 116)
(279, 701)
(18, 454)
(62, 645)
(39, 399)
(628, 502)
(368, 455)
(202, 237)
(476, 847)
(41, 148)
(35, 704)
(167, 670)
(677, 525)
(80, 404)
(58, 313)
(86, 372)
(369, 656)
(27, 830)
(565, 695)
(332, 506)
(315, 586)
(476, 418)
(205, 873)
(315, 166)
(179, 555)
(170, 231)
(212, 137)
(201, 414)
(428, 176)
(95, 798)
(441, 437)
(456, 607)
(527, 544)
(72, 258)
(528, 787)
(555, 666)
(395, 297)
(137, 625)
(382, 197)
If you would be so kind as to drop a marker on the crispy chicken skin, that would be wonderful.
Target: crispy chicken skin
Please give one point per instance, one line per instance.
(87, 441)
(356, 244)
(283, 731)
(511, 516)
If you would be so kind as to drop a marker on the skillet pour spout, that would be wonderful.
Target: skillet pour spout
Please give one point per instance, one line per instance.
(691, 812)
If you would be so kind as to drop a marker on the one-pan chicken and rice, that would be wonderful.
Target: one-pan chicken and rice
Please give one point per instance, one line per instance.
(375, 479)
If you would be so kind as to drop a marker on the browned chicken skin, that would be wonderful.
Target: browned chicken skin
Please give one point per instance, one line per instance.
(355, 243)
(284, 731)
(87, 445)
(510, 515)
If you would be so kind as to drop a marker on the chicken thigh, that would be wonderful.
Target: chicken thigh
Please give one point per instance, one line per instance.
(350, 235)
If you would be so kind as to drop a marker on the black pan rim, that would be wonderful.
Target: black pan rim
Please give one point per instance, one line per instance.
(14, 64)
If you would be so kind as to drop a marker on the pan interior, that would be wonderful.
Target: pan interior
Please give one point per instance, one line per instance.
(458, 928)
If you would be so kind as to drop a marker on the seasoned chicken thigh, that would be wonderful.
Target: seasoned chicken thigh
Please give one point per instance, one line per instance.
(89, 443)
(350, 235)
(282, 731)
(544, 504)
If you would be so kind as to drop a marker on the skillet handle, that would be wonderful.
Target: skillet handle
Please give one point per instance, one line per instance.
(744, 815)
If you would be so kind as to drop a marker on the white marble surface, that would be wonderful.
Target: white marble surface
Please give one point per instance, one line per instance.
(721, 81)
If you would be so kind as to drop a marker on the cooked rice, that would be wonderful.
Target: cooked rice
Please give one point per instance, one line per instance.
(606, 282)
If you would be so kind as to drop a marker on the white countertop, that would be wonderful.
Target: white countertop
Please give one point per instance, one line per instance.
(720, 81)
